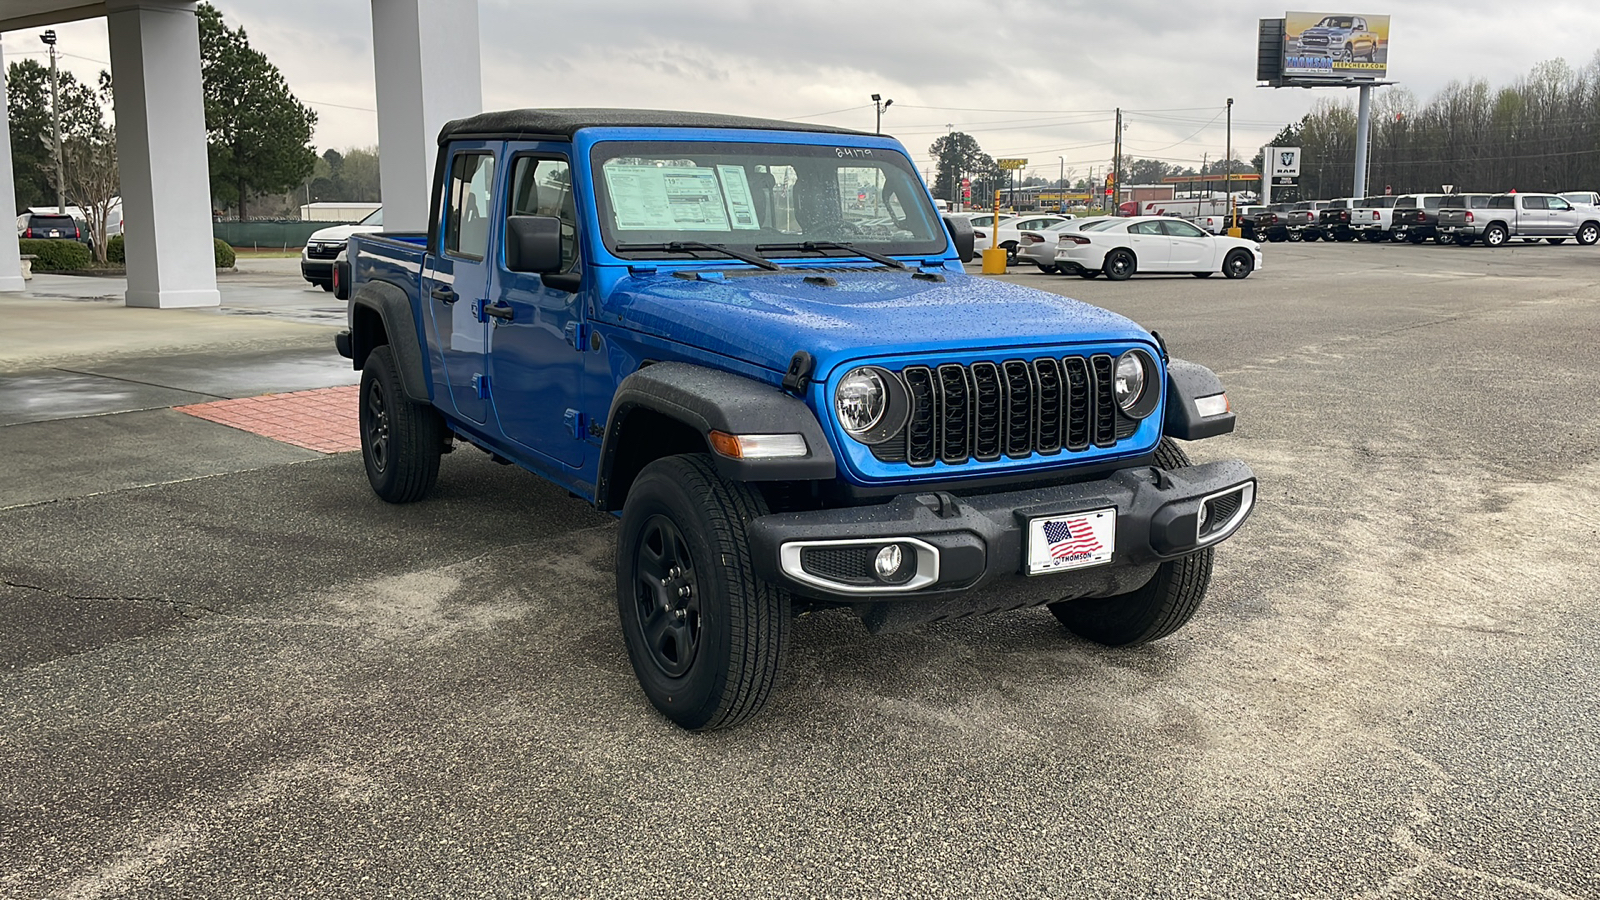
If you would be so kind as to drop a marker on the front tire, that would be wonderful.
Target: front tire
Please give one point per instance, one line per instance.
(1238, 264)
(1166, 603)
(1119, 265)
(705, 635)
(401, 441)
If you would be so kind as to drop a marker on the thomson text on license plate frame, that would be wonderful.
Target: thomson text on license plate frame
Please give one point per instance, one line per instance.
(1095, 546)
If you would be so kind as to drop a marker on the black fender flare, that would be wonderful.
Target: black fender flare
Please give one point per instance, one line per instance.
(391, 306)
(706, 400)
(1187, 382)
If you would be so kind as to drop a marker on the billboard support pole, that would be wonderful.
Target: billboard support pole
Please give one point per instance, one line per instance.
(1363, 124)
(1266, 179)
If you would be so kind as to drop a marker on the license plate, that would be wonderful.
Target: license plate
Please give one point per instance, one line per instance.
(55, 234)
(1071, 541)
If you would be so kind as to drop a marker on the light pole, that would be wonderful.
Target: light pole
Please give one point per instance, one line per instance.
(49, 38)
(880, 104)
(1233, 230)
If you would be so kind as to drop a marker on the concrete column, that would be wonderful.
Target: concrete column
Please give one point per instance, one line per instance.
(10, 258)
(426, 60)
(161, 149)
(1363, 126)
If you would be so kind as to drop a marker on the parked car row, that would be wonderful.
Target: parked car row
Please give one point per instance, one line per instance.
(1462, 218)
(1118, 248)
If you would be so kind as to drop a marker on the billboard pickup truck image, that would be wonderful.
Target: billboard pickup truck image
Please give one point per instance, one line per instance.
(1335, 45)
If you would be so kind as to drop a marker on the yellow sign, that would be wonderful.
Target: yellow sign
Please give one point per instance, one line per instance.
(1011, 163)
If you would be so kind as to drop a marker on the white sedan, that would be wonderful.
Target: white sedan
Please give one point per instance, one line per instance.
(1011, 231)
(1039, 246)
(1154, 244)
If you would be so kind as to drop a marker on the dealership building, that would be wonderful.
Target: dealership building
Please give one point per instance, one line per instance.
(427, 70)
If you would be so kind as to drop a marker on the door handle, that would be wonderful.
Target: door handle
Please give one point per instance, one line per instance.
(445, 295)
(499, 310)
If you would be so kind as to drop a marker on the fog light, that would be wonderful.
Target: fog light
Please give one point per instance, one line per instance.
(1205, 516)
(888, 562)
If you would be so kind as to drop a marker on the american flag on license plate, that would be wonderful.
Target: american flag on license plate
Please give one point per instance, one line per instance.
(1070, 538)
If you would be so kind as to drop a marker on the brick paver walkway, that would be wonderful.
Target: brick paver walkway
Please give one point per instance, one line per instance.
(323, 420)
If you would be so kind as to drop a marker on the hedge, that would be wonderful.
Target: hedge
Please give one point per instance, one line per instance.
(117, 255)
(56, 255)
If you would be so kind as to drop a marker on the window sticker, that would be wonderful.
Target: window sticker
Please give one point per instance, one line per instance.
(658, 198)
(741, 203)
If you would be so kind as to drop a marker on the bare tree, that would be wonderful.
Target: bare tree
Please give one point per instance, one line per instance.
(92, 181)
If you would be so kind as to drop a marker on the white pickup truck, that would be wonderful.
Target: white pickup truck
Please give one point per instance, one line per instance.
(1525, 216)
(1372, 217)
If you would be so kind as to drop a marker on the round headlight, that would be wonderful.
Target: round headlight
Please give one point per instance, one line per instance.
(1129, 380)
(860, 400)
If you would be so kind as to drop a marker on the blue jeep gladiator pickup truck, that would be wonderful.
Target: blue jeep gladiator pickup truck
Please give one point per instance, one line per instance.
(755, 342)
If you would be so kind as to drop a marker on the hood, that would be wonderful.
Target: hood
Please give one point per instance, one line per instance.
(341, 233)
(763, 319)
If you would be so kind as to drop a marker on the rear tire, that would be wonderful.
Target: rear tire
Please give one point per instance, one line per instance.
(1311, 237)
(1463, 240)
(1495, 235)
(1588, 234)
(1088, 273)
(1555, 240)
(1344, 237)
(1238, 264)
(1202, 274)
(1165, 603)
(401, 441)
(1373, 237)
(706, 636)
(1119, 265)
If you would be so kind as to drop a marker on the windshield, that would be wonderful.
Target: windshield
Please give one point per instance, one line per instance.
(1337, 22)
(749, 195)
(1577, 198)
(374, 218)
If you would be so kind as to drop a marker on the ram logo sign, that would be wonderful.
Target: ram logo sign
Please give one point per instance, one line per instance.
(1335, 47)
(1285, 163)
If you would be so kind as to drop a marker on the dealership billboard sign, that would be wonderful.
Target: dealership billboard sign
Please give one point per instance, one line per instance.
(1334, 47)
(1284, 165)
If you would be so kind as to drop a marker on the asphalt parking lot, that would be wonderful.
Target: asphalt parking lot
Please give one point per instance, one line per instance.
(226, 669)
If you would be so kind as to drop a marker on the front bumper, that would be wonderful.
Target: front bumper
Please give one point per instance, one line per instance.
(971, 552)
(315, 270)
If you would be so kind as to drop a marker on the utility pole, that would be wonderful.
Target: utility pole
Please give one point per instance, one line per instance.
(880, 104)
(49, 38)
(1116, 166)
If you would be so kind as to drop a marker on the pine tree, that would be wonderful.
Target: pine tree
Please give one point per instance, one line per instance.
(258, 134)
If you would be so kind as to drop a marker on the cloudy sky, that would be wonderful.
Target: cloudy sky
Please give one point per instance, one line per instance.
(1031, 78)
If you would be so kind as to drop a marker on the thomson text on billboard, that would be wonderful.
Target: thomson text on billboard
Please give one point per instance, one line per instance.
(1335, 46)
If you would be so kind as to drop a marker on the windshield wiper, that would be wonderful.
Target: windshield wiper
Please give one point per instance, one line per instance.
(819, 246)
(691, 246)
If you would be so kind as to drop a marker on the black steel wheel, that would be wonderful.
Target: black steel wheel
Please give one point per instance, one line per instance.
(666, 596)
(1238, 264)
(1119, 265)
(705, 635)
(1293, 236)
(401, 441)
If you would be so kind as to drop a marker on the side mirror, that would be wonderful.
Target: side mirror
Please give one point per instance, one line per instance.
(960, 228)
(533, 244)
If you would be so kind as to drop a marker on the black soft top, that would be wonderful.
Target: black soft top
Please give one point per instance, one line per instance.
(561, 124)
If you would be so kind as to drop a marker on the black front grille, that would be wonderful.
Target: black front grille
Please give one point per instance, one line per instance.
(323, 251)
(1014, 408)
